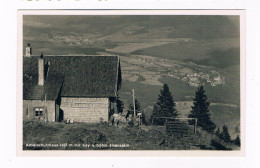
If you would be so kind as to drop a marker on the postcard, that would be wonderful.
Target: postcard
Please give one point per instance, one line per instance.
(131, 83)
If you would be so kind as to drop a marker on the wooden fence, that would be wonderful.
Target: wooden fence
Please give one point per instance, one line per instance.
(177, 126)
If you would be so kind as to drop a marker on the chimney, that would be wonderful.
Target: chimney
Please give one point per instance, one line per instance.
(41, 65)
(28, 50)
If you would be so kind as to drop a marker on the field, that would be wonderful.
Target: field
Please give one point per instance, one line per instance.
(228, 93)
(161, 64)
(82, 136)
(221, 114)
(224, 107)
(195, 50)
(228, 115)
(148, 94)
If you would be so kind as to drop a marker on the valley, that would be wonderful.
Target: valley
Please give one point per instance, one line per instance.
(181, 51)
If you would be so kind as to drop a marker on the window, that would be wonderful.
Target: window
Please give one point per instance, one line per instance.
(38, 111)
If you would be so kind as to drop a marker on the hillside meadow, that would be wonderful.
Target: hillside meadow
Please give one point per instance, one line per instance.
(103, 136)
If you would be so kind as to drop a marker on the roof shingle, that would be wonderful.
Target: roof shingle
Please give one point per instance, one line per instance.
(82, 76)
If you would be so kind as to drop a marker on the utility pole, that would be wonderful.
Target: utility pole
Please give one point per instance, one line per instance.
(134, 101)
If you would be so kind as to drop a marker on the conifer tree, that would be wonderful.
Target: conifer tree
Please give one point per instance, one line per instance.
(226, 136)
(237, 141)
(218, 132)
(221, 136)
(165, 106)
(200, 110)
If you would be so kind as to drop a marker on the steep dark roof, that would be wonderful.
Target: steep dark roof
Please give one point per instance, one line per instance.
(82, 76)
(51, 88)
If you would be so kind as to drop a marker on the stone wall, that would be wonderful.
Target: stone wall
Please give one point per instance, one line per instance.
(89, 110)
(30, 105)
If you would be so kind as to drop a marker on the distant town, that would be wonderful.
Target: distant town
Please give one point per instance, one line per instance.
(148, 70)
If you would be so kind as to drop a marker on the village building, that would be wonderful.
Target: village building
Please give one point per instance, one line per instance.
(77, 88)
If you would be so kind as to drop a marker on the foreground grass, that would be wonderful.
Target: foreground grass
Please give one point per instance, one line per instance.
(81, 136)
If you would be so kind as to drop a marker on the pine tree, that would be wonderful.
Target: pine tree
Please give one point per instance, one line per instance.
(221, 136)
(200, 110)
(217, 132)
(237, 141)
(165, 106)
(226, 136)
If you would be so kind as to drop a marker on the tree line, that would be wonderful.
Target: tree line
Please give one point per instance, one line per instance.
(166, 107)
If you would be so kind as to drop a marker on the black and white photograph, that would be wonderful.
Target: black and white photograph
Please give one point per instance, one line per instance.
(132, 82)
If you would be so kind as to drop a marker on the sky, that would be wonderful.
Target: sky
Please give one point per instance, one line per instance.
(66, 34)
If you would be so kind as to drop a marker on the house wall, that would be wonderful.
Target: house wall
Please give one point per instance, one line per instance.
(90, 110)
(30, 105)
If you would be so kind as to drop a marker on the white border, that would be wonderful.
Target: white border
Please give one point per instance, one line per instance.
(126, 153)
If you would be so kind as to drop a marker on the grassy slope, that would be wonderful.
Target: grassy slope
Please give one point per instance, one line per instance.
(146, 138)
(196, 50)
(227, 115)
(221, 114)
(148, 94)
(223, 54)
